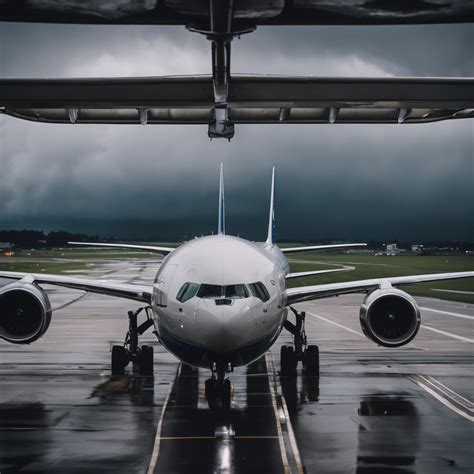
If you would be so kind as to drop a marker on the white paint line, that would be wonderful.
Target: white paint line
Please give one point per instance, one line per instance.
(291, 434)
(156, 446)
(454, 291)
(454, 396)
(449, 334)
(457, 315)
(443, 400)
(336, 324)
(281, 441)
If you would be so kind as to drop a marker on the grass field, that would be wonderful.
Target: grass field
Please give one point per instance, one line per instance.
(366, 266)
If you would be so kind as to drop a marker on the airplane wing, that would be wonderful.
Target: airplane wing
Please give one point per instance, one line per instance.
(251, 99)
(319, 248)
(140, 293)
(189, 12)
(308, 293)
(317, 272)
(161, 250)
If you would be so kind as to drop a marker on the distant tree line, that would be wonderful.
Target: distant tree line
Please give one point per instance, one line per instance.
(37, 238)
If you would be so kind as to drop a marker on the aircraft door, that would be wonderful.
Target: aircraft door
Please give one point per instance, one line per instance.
(163, 285)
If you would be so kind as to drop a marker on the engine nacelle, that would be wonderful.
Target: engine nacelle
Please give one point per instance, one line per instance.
(390, 317)
(25, 312)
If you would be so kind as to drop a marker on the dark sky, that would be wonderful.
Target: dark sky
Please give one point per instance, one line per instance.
(409, 182)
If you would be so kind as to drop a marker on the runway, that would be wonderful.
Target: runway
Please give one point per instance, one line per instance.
(372, 410)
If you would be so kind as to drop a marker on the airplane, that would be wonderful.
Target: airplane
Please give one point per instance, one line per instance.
(220, 302)
(221, 100)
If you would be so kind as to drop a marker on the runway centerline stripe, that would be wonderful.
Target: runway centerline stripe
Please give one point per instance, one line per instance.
(336, 324)
(456, 315)
(449, 334)
(156, 446)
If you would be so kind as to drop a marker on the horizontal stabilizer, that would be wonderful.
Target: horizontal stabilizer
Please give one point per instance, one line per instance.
(251, 99)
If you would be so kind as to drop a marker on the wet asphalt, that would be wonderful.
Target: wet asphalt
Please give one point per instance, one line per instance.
(372, 410)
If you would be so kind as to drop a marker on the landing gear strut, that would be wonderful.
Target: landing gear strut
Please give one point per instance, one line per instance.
(221, 30)
(290, 355)
(219, 388)
(140, 356)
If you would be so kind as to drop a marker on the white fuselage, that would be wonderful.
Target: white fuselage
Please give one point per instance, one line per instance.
(220, 299)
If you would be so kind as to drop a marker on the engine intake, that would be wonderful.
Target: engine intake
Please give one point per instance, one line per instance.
(25, 312)
(390, 317)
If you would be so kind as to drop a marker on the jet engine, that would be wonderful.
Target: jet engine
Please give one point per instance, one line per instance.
(25, 312)
(390, 317)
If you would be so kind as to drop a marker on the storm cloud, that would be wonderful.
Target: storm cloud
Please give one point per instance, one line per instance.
(346, 181)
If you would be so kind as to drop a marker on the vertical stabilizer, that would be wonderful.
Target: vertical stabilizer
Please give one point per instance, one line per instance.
(221, 221)
(271, 218)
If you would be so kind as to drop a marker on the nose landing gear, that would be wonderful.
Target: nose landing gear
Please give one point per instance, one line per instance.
(140, 356)
(218, 388)
(301, 351)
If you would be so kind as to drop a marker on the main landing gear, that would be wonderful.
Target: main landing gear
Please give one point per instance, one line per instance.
(218, 388)
(140, 356)
(290, 355)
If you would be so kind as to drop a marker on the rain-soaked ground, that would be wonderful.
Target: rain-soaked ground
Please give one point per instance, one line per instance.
(372, 410)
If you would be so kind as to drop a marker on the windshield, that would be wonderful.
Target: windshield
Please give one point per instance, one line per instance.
(217, 291)
(210, 291)
(187, 291)
(260, 291)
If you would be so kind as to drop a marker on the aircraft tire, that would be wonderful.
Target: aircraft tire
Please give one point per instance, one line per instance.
(145, 364)
(226, 395)
(119, 360)
(311, 360)
(292, 360)
(284, 367)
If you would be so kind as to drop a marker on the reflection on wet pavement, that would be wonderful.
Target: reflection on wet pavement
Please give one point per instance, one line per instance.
(242, 439)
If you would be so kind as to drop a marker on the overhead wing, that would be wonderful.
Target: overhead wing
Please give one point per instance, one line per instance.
(162, 250)
(307, 293)
(251, 99)
(270, 12)
(320, 248)
(317, 272)
(140, 293)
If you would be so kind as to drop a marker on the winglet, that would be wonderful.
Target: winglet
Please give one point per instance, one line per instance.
(221, 221)
(271, 217)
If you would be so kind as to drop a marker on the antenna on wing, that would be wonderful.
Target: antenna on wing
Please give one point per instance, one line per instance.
(221, 220)
(271, 218)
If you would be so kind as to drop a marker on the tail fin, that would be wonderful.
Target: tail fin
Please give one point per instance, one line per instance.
(271, 218)
(221, 220)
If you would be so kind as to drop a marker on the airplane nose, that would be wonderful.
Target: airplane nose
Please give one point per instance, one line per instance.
(223, 327)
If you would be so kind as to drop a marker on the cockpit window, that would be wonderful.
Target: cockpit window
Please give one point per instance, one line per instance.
(236, 291)
(259, 290)
(210, 291)
(187, 291)
(218, 291)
